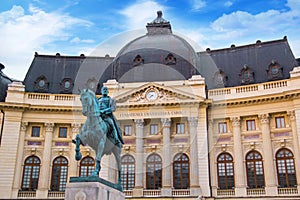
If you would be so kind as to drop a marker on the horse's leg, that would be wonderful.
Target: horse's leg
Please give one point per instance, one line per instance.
(117, 153)
(99, 156)
(78, 155)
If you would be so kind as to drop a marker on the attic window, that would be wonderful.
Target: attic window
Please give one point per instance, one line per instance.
(247, 75)
(92, 84)
(220, 79)
(138, 60)
(41, 84)
(170, 59)
(66, 85)
(275, 71)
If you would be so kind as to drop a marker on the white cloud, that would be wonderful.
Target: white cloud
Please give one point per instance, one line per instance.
(198, 4)
(228, 3)
(141, 13)
(78, 40)
(23, 34)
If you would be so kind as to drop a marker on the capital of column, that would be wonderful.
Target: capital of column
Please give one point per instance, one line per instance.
(235, 121)
(166, 122)
(291, 115)
(49, 126)
(264, 118)
(139, 123)
(193, 121)
(75, 127)
(24, 126)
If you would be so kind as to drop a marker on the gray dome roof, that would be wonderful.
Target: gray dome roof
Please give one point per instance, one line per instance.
(167, 42)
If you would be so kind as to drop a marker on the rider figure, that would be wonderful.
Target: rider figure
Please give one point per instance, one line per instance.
(107, 107)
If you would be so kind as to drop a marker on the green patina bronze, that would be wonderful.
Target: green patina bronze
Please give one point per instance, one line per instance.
(100, 131)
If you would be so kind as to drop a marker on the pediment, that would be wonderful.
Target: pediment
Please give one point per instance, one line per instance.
(156, 93)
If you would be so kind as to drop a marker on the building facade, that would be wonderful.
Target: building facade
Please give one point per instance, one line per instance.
(217, 124)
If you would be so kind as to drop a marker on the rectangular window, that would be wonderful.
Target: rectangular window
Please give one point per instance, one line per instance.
(180, 128)
(127, 130)
(250, 125)
(280, 122)
(63, 132)
(222, 127)
(35, 132)
(153, 129)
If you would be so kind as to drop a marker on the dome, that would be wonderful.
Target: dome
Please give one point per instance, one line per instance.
(158, 48)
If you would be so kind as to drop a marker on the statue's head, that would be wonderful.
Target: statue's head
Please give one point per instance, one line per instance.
(104, 90)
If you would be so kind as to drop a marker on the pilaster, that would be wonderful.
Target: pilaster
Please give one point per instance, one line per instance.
(44, 181)
(139, 127)
(239, 167)
(167, 160)
(269, 166)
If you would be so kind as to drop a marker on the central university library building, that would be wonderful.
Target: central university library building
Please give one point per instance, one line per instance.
(215, 124)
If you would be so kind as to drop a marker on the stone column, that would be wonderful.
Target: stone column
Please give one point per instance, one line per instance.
(19, 162)
(194, 175)
(212, 157)
(291, 114)
(239, 167)
(44, 181)
(73, 169)
(139, 171)
(268, 156)
(167, 159)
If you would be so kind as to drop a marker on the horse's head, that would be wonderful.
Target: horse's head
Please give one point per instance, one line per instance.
(88, 101)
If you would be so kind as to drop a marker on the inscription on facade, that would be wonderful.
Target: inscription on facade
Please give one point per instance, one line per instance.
(152, 114)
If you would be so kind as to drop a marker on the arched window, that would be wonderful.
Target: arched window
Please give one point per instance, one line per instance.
(87, 166)
(181, 172)
(127, 172)
(225, 171)
(285, 168)
(154, 172)
(31, 173)
(59, 174)
(255, 171)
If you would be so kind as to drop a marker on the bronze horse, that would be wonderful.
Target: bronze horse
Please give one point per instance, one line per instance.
(96, 133)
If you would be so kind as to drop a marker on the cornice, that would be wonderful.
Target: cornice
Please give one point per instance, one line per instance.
(259, 99)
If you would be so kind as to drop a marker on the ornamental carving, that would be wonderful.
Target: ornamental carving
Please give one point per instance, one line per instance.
(49, 126)
(264, 118)
(291, 114)
(24, 126)
(166, 122)
(152, 94)
(193, 121)
(76, 127)
(235, 121)
(139, 123)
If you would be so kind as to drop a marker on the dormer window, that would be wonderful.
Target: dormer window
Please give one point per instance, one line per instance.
(92, 84)
(41, 84)
(247, 75)
(220, 79)
(170, 59)
(138, 60)
(275, 71)
(66, 85)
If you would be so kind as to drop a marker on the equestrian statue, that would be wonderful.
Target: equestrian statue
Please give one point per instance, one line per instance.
(101, 130)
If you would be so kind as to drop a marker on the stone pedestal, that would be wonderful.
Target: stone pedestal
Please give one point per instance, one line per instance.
(97, 190)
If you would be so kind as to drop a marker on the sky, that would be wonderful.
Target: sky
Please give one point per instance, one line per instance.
(100, 27)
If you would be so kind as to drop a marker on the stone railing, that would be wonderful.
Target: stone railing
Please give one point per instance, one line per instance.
(288, 191)
(256, 192)
(248, 90)
(52, 99)
(180, 192)
(151, 193)
(56, 194)
(128, 193)
(225, 192)
(26, 194)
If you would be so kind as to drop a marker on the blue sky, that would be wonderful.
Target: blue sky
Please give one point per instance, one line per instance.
(99, 27)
